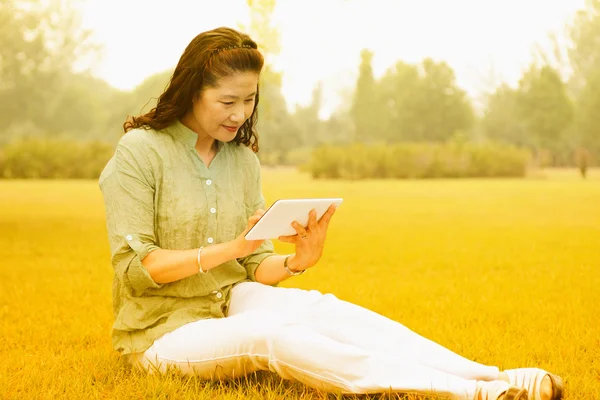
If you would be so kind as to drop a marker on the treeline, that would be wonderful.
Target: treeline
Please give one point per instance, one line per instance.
(549, 115)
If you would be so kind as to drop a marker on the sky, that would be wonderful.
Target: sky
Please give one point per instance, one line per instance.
(485, 41)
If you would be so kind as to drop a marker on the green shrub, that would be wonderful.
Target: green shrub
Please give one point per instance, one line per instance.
(418, 161)
(53, 159)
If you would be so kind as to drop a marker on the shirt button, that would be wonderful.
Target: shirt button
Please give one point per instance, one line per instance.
(213, 210)
(128, 237)
(210, 240)
(209, 182)
(219, 295)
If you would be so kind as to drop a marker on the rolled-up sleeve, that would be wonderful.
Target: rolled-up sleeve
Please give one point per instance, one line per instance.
(138, 276)
(255, 201)
(128, 190)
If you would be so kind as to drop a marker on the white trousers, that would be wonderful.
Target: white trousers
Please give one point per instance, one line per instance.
(317, 339)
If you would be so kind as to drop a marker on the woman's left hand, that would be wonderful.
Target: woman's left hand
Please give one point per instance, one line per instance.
(309, 241)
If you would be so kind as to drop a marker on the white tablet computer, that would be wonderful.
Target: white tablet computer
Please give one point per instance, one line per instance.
(277, 220)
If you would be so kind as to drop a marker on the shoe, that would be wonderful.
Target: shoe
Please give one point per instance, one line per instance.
(531, 379)
(491, 390)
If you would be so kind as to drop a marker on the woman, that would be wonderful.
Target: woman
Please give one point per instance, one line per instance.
(191, 293)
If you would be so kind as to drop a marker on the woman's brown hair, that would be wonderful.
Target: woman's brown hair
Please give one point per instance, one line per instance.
(210, 56)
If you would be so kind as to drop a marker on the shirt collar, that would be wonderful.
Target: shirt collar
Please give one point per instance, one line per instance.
(185, 135)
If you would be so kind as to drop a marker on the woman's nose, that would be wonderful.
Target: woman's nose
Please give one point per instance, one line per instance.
(237, 115)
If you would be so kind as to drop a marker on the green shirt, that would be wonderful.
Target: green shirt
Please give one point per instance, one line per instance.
(158, 193)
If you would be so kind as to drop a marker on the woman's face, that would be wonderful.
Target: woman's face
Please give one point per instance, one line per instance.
(220, 111)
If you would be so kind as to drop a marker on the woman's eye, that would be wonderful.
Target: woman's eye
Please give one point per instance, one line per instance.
(249, 100)
(227, 103)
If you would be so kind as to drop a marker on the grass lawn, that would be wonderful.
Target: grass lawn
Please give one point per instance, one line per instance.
(505, 272)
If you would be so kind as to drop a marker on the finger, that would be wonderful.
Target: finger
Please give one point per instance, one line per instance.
(312, 219)
(330, 211)
(288, 239)
(253, 220)
(299, 229)
(327, 216)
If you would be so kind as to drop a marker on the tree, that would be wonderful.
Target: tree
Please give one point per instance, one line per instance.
(421, 103)
(446, 108)
(584, 37)
(363, 109)
(276, 131)
(584, 56)
(544, 108)
(397, 95)
(139, 101)
(261, 27)
(306, 119)
(83, 109)
(39, 43)
(588, 120)
(501, 121)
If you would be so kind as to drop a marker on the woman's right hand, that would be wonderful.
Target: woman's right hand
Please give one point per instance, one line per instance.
(245, 247)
